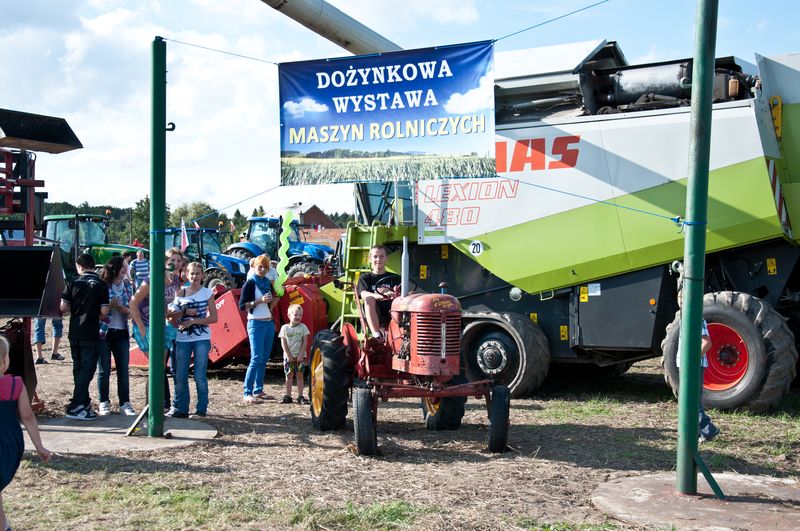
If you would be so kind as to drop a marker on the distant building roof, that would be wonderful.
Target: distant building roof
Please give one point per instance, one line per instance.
(315, 216)
(327, 237)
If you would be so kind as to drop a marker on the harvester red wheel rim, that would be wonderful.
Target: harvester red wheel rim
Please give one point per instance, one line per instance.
(317, 381)
(728, 358)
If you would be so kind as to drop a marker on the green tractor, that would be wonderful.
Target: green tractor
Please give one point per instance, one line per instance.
(83, 233)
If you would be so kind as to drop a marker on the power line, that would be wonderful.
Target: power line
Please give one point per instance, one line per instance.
(552, 20)
(222, 51)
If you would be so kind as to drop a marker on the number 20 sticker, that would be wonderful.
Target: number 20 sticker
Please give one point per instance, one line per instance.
(475, 248)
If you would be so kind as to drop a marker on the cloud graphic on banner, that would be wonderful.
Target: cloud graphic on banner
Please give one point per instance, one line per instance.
(299, 109)
(473, 100)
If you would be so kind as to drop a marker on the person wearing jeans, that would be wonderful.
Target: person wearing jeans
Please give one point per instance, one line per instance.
(38, 339)
(195, 309)
(183, 359)
(86, 299)
(256, 298)
(117, 338)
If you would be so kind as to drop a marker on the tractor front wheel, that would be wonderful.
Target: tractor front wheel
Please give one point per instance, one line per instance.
(303, 268)
(444, 413)
(752, 360)
(364, 422)
(218, 276)
(499, 419)
(330, 381)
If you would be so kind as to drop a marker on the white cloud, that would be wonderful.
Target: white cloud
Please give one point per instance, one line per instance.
(298, 109)
(479, 98)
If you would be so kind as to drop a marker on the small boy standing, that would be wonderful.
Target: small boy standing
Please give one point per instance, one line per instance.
(294, 341)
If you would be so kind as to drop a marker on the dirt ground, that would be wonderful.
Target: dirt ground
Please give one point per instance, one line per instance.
(566, 440)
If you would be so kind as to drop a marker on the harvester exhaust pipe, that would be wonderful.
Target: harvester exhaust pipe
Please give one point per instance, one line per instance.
(404, 268)
(339, 28)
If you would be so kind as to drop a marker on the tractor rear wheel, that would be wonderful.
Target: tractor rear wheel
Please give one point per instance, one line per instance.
(364, 422)
(512, 351)
(499, 419)
(330, 381)
(752, 360)
(244, 254)
(218, 276)
(303, 268)
(444, 413)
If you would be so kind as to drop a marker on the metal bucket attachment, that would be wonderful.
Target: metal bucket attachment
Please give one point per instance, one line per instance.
(33, 281)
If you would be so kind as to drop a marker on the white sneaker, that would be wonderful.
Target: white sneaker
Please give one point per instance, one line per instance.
(127, 409)
(105, 408)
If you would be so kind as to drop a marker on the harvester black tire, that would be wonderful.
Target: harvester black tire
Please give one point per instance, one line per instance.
(522, 374)
(444, 413)
(772, 355)
(329, 366)
(303, 268)
(218, 276)
(499, 419)
(364, 422)
(244, 254)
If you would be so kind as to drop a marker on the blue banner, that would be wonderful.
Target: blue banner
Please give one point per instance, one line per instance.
(415, 114)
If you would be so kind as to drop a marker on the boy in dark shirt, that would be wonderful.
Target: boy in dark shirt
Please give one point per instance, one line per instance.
(373, 287)
(86, 299)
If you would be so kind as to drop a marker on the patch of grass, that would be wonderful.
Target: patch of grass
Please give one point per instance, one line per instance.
(162, 501)
(591, 407)
(393, 515)
(153, 505)
(530, 523)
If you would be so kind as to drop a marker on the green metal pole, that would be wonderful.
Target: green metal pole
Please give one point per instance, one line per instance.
(695, 243)
(155, 419)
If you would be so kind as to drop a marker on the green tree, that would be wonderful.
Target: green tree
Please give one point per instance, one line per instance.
(141, 220)
(341, 219)
(194, 211)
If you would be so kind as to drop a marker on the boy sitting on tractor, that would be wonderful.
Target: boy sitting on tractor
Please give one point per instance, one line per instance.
(375, 288)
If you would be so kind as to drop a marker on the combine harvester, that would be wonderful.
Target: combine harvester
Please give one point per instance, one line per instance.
(565, 256)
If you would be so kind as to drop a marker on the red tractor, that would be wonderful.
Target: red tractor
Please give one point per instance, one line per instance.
(419, 356)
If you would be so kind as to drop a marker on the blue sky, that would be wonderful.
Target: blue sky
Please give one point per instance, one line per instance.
(89, 61)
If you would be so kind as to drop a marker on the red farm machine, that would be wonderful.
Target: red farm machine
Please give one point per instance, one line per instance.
(419, 356)
(21, 136)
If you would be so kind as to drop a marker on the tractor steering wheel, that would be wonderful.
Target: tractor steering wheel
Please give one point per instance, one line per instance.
(395, 289)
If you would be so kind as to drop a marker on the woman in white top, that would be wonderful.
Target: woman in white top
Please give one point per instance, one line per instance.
(255, 298)
(117, 338)
(197, 310)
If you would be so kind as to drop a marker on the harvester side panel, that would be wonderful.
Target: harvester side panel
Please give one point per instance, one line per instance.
(564, 182)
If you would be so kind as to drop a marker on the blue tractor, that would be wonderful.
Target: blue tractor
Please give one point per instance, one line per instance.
(204, 247)
(262, 237)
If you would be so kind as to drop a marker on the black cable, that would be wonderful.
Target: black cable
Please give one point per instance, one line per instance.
(222, 51)
(552, 20)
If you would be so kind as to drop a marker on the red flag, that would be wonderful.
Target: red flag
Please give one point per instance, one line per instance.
(184, 236)
(233, 227)
(196, 225)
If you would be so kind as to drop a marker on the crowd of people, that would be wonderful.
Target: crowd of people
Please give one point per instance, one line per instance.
(109, 308)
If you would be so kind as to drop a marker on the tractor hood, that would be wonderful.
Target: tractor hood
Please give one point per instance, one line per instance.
(112, 248)
(314, 250)
(236, 266)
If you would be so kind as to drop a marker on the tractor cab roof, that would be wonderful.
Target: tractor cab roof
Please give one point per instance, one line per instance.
(90, 217)
(173, 230)
(267, 219)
